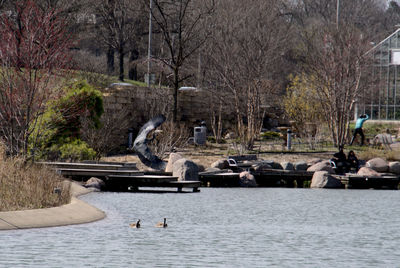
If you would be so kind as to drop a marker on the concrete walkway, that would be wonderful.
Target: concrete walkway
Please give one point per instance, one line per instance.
(76, 212)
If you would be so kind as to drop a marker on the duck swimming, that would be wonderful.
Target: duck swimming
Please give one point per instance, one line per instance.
(162, 224)
(135, 225)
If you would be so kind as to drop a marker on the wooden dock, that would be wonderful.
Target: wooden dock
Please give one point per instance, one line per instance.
(134, 183)
(354, 181)
(91, 165)
(264, 178)
(122, 176)
(282, 178)
(99, 173)
(118, 178)
(225, 179)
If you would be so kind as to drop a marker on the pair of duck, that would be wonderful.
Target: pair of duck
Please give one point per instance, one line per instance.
(158, 225)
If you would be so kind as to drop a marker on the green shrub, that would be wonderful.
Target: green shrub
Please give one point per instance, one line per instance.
(58, 129)
(80, 100)
(76, 150)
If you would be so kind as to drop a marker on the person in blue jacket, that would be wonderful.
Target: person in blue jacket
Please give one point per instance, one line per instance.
(359, 123)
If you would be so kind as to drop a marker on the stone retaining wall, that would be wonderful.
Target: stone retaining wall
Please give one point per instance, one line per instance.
(142, 103)
(139, 104)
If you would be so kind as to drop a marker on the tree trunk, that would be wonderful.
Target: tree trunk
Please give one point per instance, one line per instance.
(110, 60)
(132, 74)
(175, 95)
(121, 64)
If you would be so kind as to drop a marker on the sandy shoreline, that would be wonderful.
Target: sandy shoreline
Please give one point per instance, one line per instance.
(76, 212)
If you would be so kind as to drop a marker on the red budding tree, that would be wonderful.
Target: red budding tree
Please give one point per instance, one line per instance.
(33, 53)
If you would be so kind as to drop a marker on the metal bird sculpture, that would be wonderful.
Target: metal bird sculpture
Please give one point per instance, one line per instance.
(141, 141)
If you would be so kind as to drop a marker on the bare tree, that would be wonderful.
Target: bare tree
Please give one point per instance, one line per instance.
(366, 15)
(181, 26)
(104, 139)
(337, 62)
(118, 29)
(33, 53)
(248, 42)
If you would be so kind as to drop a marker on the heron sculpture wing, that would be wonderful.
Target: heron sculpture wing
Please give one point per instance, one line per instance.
(141, 141)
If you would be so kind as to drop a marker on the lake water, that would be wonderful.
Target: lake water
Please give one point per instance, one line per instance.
(222, 227)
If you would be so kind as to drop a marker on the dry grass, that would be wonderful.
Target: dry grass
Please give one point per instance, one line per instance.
(392, 155)
(27, 186)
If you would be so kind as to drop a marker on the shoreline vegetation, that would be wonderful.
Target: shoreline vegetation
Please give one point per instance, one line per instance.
(26, 186)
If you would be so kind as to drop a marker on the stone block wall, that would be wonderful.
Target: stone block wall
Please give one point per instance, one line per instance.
(139, 104)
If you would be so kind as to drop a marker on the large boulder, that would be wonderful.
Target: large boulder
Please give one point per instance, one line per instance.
(265, 163)
(247, 180)
(262, 166)
(287, 166)
(276, 165)
(382, 139)
(314, 161)
(221, 164)
(378, 164)
(300, 166)
(173, 157)
(185, 170)
(395, 146)
(366, 171)
(394, 167)
(95, 183)
(322, 179)
(322, 166)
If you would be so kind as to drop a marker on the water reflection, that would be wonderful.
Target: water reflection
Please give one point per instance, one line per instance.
(231, 227)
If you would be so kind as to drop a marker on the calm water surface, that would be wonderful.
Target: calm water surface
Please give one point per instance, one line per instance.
(222, 227)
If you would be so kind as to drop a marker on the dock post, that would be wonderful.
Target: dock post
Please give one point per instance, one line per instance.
(289, 139)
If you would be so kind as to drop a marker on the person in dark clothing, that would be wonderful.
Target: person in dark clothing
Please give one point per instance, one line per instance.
(339, 161)
(358, 129)
(340, 156)
(352, 161)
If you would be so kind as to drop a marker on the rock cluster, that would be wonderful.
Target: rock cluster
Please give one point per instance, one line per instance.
(324, 179)
(375, 167)
(247, 180)
(95, 184)
(382, 166)
(184, 169)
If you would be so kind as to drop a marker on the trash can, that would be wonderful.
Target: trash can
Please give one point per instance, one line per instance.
(200, 135)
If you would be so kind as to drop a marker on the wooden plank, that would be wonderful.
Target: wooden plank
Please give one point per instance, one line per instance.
(179, 185)
(220, 179)
(134, 183)
(89, 166)
(185, 184)
(354, 181)
(95, 172)
(157, 172)
(125, 164)
(281, 172)
(143, 178)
